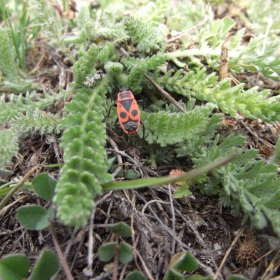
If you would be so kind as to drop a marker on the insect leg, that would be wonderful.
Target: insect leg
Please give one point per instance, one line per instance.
(115, 105)
(115, 121)
(143, 129)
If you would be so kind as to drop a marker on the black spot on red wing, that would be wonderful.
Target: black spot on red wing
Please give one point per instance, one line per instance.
(127, 104)
(134, 113)
(123, 115)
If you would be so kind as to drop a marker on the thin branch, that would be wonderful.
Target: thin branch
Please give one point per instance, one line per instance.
(186, 32)
(90, 240)
(16, 188)
(60, 255)
(124, 154)
(228, 252)
(144, 265)
(115, 149)
(166, 94)
(116, 259)
(150, 202)
(173, 217)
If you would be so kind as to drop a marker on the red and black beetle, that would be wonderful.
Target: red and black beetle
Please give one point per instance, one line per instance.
(128, 112)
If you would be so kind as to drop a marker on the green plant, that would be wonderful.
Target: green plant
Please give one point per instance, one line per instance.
(246, 185)
(231, 100)
(180, 263)
(111, 50)
(16, 266)
(20, 22)
(33, 217)
(84, 133)
(15, 40)
(36, 217)
(121, 250)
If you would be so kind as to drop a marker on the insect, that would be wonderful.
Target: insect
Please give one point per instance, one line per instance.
(128, 112)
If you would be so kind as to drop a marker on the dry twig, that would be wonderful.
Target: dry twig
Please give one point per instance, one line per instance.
(60, 255)
(228, 252)
(166, 94)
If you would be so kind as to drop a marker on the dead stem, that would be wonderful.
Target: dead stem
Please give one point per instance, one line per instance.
(90, 240)
(16, 188)
(187, 31)
(60, 255)
(116, 259)
(173, 217)
(166, 95)
(228, 252)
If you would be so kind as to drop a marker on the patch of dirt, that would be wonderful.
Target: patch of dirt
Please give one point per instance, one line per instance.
(160, 229)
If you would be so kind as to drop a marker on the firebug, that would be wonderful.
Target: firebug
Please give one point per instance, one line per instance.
(128, 112)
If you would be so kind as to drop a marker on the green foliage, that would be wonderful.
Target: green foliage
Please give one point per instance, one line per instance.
(139, 67)
(260, 59)
(236, 277)
(106, 53)
(84, 24)
(120, 228)
(173, 274)
(109, 24)
(170, 128)
(23, 28)
(125, 253)
(9, 145)
(135, 275)
(248, 185)
(44, 185)
(107, 251)
(83, 67)
(184, 262)
(44, 123)
(84, 155)
(150, 63)
(16, 266)
(214, 33)
(182, 191)
(12, 105)
(265, 19)
(146, 182)
(34, 217)
(199, 277)
(142, 34)
(136, 75)
(12, 78)
(21, 111)
(116, 50)
(52, 26)
(232, 100)
(7, 56)
(45, 267)
(156, 10)
(275, 158)
(181, 262)
(50, 22)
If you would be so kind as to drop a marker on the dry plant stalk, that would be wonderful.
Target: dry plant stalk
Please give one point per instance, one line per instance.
(223, 72)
